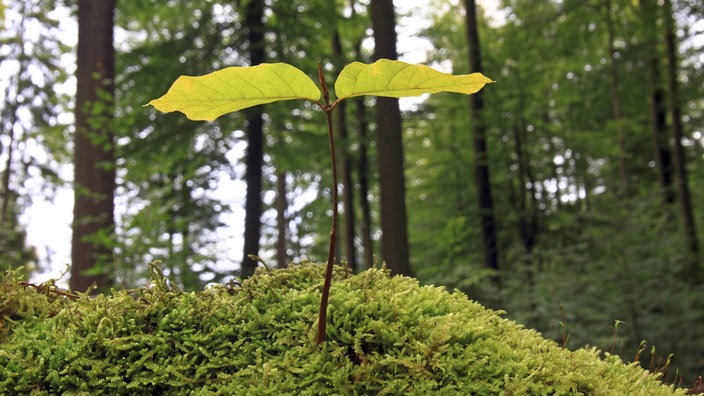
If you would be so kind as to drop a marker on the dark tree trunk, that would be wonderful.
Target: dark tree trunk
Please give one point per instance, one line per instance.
(363, 169)
(527, 202)
(616, 102)
(9, 119)
(281, 220)
(680, 164)
(394, 240)
(346, 168)
(583, 182)
(479, 146)
(94, 162)
(255, 144)
(7, 192)
(555, 171)
(658, 112)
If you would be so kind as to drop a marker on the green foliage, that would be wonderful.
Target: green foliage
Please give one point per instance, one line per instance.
(651, 298)
(169, 167)
(390, 336)
(14, 252)
(567, 236)
(32, 137)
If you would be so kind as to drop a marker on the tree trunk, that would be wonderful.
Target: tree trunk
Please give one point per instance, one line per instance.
(9, 119)
(94, 158)
(394, 240)
(346, 162)
(658, 113)
(281, 220)
(527, 205)
(255, 144)
(363, 167)
(555, 171)
(479, 147)
(6, 189)
(679, 156)
(363, 170)
(616, 102)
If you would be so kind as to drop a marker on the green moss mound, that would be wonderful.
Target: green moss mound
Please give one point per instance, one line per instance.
(387, 335)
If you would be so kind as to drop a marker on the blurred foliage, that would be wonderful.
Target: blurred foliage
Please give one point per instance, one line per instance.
(32, 133)
(14, 251)
(577, 256)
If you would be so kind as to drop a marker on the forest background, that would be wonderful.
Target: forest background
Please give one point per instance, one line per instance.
(568, 194)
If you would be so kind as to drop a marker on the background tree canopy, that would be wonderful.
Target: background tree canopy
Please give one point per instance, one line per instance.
(594, 136)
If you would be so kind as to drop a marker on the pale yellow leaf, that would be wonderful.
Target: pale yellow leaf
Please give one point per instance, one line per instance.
(399, 79)
(234, 88)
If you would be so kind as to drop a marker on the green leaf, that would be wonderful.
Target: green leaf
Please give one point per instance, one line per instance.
(235, 88)
(399, 79)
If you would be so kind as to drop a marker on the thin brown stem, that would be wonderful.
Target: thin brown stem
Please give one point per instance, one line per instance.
(328, 108)
(322, 317)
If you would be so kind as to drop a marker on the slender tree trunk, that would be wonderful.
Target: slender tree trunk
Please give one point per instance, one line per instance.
(363, 170)
(479, 146)
(394, 238)
(94, 162)
(680, 164)
(255, 144)
(658, 113)
(9, 116)
(346, 162)
(363, 167)
(616, 102)
(527, 213)
(527, 205)
(281, 220)
(9, 119)
(663, 156)
(180, 246)
(555, 170)
(6, 189)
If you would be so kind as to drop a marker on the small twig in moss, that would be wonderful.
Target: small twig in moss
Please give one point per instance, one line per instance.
(49, 288)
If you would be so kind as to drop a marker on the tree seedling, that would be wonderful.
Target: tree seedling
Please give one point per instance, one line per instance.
(207, 97)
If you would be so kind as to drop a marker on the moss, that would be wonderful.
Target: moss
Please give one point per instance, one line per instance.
(387, 335)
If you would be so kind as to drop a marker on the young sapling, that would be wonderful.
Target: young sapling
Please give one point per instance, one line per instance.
(207, 97)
